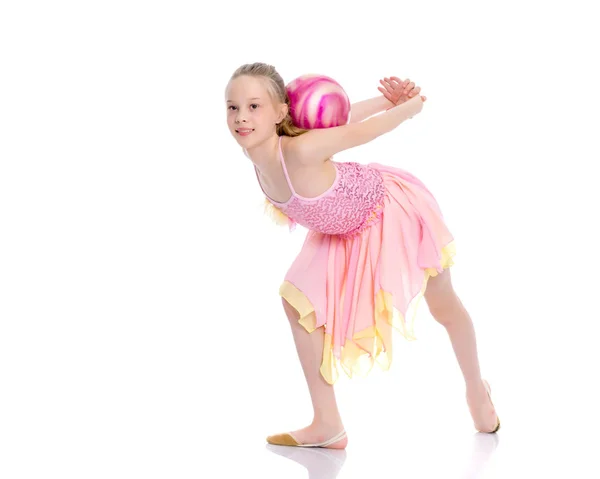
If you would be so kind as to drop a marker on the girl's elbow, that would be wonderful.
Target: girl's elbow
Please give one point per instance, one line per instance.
(366, 136)
(370, 130)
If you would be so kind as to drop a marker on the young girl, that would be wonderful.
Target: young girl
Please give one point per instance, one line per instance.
(376, 244)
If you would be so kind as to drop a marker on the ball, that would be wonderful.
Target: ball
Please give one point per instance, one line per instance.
(317, 101)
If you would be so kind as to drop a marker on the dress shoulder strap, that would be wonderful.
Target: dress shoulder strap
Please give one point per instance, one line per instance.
(285, 172)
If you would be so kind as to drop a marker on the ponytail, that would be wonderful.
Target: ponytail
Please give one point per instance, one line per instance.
(287, 127)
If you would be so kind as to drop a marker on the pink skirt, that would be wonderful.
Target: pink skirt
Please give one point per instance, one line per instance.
(360, 289)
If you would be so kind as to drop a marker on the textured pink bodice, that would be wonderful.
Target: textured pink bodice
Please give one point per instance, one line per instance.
(353, 202)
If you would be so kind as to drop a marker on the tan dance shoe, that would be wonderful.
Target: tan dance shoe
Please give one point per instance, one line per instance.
(489, 391)
(287, 439)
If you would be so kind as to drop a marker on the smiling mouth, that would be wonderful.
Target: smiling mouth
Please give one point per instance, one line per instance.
(245, 130)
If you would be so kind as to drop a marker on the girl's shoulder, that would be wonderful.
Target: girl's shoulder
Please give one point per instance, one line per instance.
(296, 156)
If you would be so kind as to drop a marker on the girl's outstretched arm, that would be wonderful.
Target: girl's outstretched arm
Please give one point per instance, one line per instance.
(394, 92)
(315, 146)
(362, 110)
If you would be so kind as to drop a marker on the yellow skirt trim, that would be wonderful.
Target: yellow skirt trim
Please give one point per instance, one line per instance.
(373, 344)
(278, 216)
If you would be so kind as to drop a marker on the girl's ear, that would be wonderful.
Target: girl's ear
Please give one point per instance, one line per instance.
(283, 111)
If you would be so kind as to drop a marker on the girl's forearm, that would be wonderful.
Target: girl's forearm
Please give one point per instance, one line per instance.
(364, 109)
(395, 116)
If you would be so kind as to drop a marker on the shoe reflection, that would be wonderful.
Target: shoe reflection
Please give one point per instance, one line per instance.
(320, 462)
(482, 450)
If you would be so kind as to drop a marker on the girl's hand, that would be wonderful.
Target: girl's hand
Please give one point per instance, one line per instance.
(398, 91)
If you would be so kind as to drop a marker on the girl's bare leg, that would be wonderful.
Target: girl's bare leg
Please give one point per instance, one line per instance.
(326, 420)
(448, 310)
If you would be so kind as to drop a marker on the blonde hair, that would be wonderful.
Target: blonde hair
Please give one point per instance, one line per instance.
(276, 88)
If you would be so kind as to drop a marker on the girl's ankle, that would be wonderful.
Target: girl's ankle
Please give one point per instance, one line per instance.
(327, 421)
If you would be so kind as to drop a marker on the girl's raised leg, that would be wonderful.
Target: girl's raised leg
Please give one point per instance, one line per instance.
(447, 309)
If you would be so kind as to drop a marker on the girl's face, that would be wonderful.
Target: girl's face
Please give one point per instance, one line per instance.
(251, 113)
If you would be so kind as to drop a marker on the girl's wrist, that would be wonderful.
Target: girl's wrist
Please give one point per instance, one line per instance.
(389, 104)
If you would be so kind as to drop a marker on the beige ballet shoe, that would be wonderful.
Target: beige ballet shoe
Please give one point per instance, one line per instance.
(287, 439)
(489, 391)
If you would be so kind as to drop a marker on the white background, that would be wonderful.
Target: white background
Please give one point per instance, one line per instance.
(141, 333)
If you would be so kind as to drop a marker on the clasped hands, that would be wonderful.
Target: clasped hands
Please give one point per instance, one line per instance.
(398, 91)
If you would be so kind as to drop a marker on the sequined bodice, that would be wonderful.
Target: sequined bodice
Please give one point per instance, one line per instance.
(352, 202)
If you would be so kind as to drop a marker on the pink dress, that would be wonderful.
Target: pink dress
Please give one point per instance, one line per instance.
(375, 238)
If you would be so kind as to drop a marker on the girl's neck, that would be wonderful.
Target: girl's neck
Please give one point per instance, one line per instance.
(265, 156)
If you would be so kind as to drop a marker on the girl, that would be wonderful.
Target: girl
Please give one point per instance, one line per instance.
(376, 244)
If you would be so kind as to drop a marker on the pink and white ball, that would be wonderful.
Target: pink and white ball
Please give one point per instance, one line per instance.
(317, 101)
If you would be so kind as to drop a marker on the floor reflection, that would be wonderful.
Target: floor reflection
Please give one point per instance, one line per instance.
(482, 450)
(322, 463)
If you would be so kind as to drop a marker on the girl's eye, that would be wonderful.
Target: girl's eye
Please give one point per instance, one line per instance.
(253, 107)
